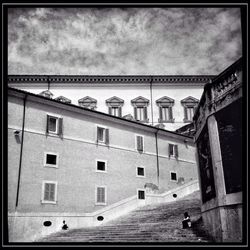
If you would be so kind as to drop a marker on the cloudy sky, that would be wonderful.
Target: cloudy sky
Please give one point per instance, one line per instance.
(123, 41)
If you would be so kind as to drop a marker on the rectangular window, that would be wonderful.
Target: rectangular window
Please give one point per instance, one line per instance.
(102, 135)
(101, 195)
(54, 125)
(141, 194)
(141, 114)
(101, 166)
(166, 113)
(140, 171)
(173, 176)
(116, 111)
(139, 143)
(173, 150)
(51, 159)
(49, 192)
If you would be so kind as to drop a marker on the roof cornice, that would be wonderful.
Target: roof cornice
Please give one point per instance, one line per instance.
(94, 113)
(109, 79)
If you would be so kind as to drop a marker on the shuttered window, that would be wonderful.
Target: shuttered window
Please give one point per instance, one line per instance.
(103, 135)
(49, 192)
(54, 125)
(173, 150)
(139, 143)
(100, 195)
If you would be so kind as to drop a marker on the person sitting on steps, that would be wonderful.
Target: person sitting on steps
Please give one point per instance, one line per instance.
(186, 223)
(64, 227)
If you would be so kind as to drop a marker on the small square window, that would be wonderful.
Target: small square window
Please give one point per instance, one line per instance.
(173, 176)
(141, 194)
(51, 159)
(140, 171)
(101, 166)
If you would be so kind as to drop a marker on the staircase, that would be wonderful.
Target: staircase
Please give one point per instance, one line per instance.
(151, 223)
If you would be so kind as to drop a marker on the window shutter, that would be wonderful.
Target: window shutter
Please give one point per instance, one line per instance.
(110, 110)
(160, 114)
(120, 111)
(107, 136)
(170, 113)
(47, 128)
(176, 150)
(145, 113)
(170, 149)
(185, 113)
(135, 113)
(52, 192)
(97, 134)
(100, 194)
(60, 127)
(46, 192)
(140, 143)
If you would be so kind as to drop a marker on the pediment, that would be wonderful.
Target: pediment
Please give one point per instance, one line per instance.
(166, 100)
(87, 99)
(190, 99)
(63, 99)
(46, 93)
(114, 99)
(140, 99)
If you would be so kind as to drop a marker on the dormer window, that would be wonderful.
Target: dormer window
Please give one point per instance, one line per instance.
(46, 93)
(190, 103)
(140, 105)
(63, 99)
(115, 106)
(165, 105)
(88, 102)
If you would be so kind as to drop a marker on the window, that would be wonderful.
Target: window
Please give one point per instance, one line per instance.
(172, 150)
(165, 105)
(139, 143)
(189, 104)
(101, 195)
(140, 105)
(115, 106)
(49, 192)
(173, 176)
(51, 160)
(102, 135)
(54, 125)
(140, 172)
(88, 102)
(141, 194)
(101, 166)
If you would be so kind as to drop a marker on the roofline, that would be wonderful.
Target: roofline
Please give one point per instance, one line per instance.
(109, 79)
(155, 129)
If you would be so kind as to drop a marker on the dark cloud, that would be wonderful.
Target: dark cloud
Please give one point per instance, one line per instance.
(123, 41)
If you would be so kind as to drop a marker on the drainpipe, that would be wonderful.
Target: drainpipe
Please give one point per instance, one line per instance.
(21, 150)
(157, 157)
(151, 100)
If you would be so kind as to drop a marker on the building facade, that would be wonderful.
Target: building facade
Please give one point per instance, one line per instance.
(68, 162)
(218, 138)
(165, 101)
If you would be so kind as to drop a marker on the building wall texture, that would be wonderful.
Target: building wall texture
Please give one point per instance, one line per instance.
(77, 151)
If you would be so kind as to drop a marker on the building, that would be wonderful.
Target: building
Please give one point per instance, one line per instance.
(218, 125)
(165, 101)
(68, 162)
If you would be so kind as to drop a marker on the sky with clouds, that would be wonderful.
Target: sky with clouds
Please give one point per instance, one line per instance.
(123, 41)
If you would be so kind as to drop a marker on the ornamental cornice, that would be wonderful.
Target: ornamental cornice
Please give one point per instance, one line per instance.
(84, 79)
